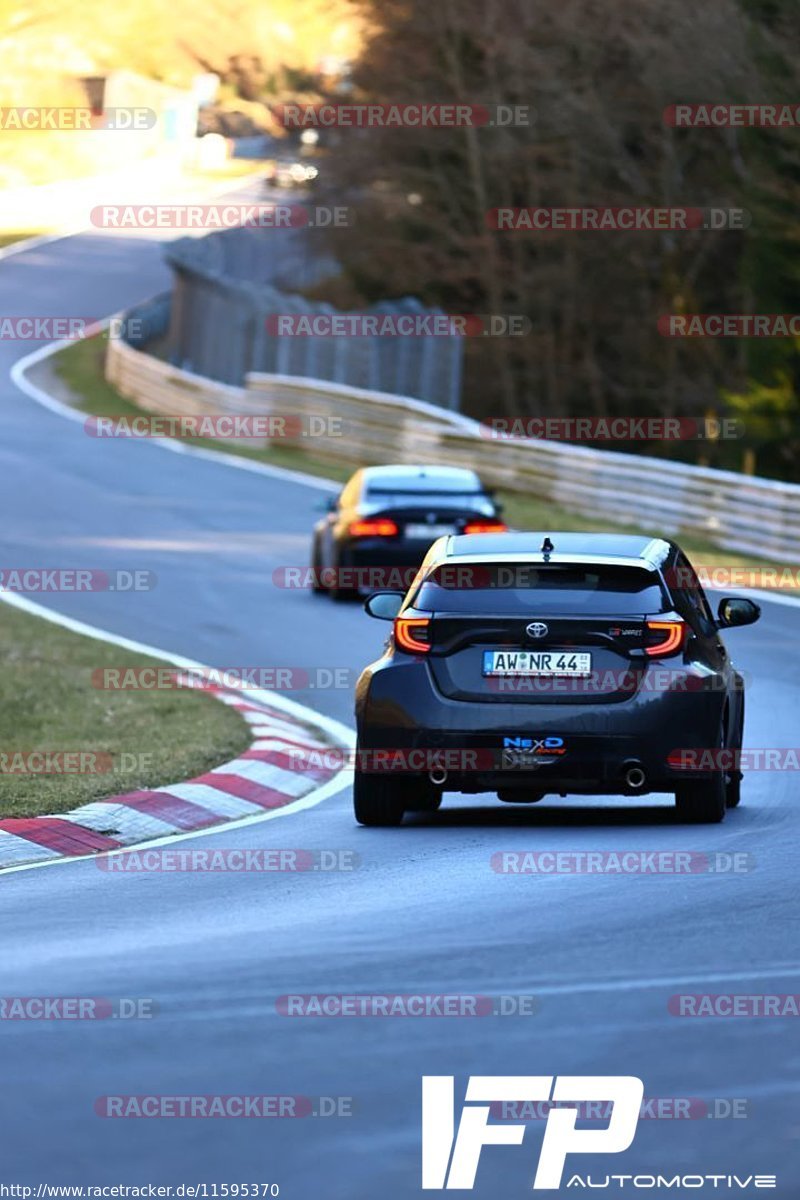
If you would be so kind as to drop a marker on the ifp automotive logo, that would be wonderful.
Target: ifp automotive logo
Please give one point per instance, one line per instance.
(450, 1159)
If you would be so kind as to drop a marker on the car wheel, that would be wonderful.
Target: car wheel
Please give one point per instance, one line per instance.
(379, 801)
(703, 802)
(733, 786)
(340, 593)
(316, 569)
(425, 798)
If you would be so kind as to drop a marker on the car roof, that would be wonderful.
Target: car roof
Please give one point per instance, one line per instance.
(402, 476)
(630, 548)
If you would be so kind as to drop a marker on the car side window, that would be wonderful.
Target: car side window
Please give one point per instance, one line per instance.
(688, 586)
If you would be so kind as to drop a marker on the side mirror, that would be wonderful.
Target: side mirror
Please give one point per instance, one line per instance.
(384, 605)
(328, 505)
(736, 610)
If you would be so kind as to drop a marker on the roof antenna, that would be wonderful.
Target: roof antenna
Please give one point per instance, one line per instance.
(547, 547)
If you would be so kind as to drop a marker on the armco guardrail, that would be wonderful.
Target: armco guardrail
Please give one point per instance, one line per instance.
(736, 512)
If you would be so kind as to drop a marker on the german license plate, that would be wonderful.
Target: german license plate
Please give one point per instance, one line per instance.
(429, 532)
(536, 662)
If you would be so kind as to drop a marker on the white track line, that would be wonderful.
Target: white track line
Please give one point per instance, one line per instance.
(790, 971)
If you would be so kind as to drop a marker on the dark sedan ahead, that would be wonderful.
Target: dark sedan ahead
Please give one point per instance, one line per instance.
(379, 529)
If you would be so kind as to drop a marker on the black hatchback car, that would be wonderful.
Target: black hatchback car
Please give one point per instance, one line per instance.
(376, 534)
(531, 663)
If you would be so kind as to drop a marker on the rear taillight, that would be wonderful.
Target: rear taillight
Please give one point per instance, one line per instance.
(485, 527)
(412, 634)
(379, 527)
(665, 637)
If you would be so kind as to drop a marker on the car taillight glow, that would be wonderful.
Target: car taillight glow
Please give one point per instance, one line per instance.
(412, 633)
(485, 527)
(379, 527)
(672, 635)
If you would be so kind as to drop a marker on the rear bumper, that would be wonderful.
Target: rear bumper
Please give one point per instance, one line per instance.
(399, 710)
(374, 564)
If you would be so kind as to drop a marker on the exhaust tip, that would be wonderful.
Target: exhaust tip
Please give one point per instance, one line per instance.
(634, 776)
(437, 775)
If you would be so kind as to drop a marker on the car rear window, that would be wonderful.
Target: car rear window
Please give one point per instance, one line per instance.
(509, 588)
(434, 499)
(463, 485)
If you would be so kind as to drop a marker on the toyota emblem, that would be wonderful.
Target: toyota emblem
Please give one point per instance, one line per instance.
(537, 629)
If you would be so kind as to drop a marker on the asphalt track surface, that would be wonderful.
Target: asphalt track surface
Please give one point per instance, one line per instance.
(424, 912)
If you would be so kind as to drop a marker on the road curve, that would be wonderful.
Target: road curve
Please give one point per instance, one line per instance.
(424, 911)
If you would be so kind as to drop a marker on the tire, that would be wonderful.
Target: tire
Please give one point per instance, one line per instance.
(378, 801)
(702, 803)
(316, 566)
(733, 787)
(425, 798)
(341, 594)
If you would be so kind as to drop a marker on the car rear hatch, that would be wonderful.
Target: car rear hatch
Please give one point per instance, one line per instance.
(524, 645)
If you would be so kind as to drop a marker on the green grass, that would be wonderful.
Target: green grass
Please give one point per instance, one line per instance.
(80, 366)
(48, 702)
